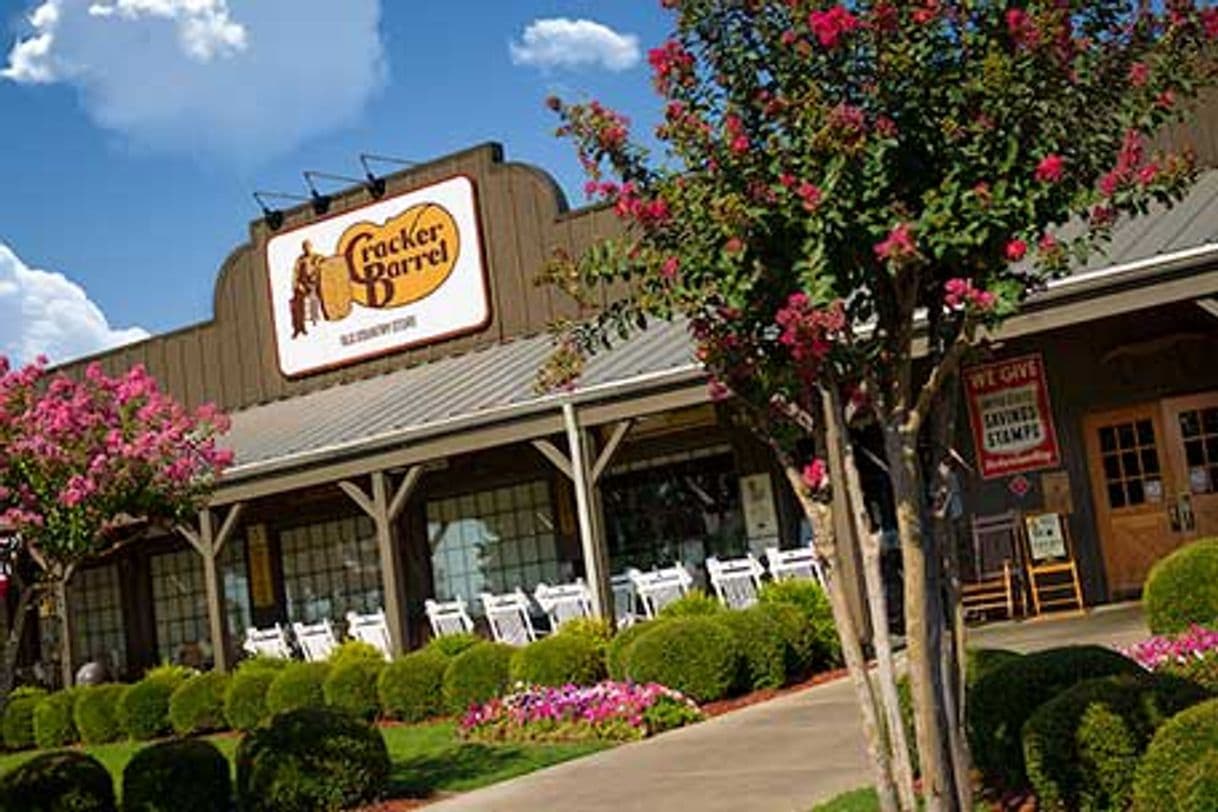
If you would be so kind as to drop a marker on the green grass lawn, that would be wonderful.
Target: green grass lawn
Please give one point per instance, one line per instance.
(426, 759)
(859, 800)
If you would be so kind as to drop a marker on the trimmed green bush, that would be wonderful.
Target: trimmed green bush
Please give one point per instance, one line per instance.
(980, 661)
(1004, 698)
(411, 689)
(298, 685)
(356, 650)
(351, 686)
(618, 652)
(1202, 670)
(245, 699)
(693, 604)
(764, 654)
(143, 711)
(18, 723)
(1082, 747)
(54, 725)
(798, 634)
(808, 597)
(557, 660)
(96, 713)
(1165, 780)
(453, 644)
(197, 706)
(1197, 786)
(184, 775)
(475, 675)
(597, 631)
(694, 655)
(1182, 589)
(311, 760)
(64, 781)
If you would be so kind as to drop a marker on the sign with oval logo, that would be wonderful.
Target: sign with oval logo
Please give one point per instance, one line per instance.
(398, 273)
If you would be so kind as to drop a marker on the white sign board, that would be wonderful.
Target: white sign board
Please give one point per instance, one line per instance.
(757, 496)
(398, 273)
(1046, 539)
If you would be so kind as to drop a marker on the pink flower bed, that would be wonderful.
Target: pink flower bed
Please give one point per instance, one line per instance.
(1164, 650)
(614, 711)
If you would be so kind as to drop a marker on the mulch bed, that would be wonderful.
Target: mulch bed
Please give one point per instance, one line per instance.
(723, 706)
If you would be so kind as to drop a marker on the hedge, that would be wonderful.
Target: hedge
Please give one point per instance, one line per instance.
(184, 775)
(143, 710)
(96, 713)
(1182, 589)
(693, 655)
(1082, 747)
(54, 725)
(356, 651)
(351, 686)
(809, 598)
(411, 689)
(980, 661)
(618, 651)
(315, 759)
(693, 604)
(557, 660)
(1003, 699)
(451, 645)
(797, 633)
(18, 723)
(197, 706)
(298, 685)
(64, 781)
(764, 653)
(475, 675)
(595, 630)
(245, 699)
(1165, 780)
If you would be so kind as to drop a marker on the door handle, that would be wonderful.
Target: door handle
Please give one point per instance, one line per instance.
(1173, 516)
(1188, 519)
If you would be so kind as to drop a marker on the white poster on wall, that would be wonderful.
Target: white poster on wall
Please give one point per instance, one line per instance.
(398, 273)
(760, 517)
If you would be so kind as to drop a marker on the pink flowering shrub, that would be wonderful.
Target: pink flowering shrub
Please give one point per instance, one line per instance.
(610, 711)
(1165, 650)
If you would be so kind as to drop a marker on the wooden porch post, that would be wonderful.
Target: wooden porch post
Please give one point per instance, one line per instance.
(208, 542)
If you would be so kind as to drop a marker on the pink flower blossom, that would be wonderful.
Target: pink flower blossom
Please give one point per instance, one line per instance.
(815, 475)
(898, 246)
(670, 267)
(1139, 74)
(810, 195)
(831, 25)
(1050, 169)
(1016, 250)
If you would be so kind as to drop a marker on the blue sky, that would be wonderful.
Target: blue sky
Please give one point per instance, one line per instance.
(135, 130)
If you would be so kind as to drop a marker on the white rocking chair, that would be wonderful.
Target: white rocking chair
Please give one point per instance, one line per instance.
(736, 580)
(316, 640)
(270, 642)
(660, 587)
(448, 617)
(624, 599)
(564, 602)
(372, 629)
(801, 563)
(508, 617)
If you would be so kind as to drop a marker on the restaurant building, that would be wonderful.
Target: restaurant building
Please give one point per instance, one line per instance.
(379, 361)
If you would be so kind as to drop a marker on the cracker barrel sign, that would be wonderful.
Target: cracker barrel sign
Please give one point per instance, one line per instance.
(1011, 417)
(398, 273)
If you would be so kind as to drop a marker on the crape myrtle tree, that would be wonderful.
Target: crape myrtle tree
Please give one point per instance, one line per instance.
(847, 199)
(86, 465)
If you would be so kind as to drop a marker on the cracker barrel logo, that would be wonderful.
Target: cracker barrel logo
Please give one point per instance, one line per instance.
(379, 267)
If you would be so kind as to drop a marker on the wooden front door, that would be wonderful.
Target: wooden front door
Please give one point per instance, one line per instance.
(1134, 486)
(1191, 426)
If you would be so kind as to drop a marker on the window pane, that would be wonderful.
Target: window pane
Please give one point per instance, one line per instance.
(98, 634)
(1146, 432)
(1125, 436)
(1190, 424)
(1108, 439)
(329, 569)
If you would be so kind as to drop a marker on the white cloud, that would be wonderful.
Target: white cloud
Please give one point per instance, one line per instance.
(45, 313)
(563, 43)
(245, 79)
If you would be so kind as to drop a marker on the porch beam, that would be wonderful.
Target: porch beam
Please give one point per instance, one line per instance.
(208, 540)
(551, 453)
(379, 505)
(611, 446)
(404, 491)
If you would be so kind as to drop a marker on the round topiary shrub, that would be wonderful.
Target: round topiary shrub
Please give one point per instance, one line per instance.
(351, 687)
(97, 713)
(618, 652)
(356, 650)
(800, 637)
(54, 725)
(1197, 786)
(561, 659)
(1164, 781)
(450, 645)
(1082, 747)
(298, 685)
(475, 675)
(764, 653)
(1003, 699)
(315, 759)
(411, 689)
(197, 706)
(595, 630)
(980, 661)
(184, 775)
(808, 597)
(65, 781)
(693, 655)
(143, 711)
(1182, 589)
(18, 723)
(245, 699)
(693, 604)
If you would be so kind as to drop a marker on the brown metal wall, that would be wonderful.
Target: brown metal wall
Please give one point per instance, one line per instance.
(231, 360)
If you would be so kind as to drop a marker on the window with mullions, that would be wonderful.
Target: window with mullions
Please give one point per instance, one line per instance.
(493, 541)
(674, 510)
(235, 577)
(330, 569)
(98, 634)
(179, 606)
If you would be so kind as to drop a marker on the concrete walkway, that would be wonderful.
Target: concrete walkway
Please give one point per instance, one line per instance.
(786, 754)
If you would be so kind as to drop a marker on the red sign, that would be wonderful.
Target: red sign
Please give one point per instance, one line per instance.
(1011, 418)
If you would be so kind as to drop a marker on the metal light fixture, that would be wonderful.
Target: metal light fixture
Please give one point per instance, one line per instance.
(272, 215)
(374, 183)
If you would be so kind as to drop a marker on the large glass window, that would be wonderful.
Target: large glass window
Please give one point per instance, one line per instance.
(95, 603)
(681, 508)
(493, 541)
(235, 577)
(179, 605)
(330, 569)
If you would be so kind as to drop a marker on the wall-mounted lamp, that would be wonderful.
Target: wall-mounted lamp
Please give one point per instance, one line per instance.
(272, 215)
(321, 203)
(375, 183)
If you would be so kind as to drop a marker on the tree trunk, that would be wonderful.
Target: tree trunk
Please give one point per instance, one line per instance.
(65, 631)
(821, 518)
(12, 646)
(922, 626)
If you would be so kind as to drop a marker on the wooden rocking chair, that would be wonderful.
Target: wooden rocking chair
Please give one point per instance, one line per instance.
(1052, 571)
(989, 584)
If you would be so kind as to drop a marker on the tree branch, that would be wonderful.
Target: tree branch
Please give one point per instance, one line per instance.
(942, 371)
